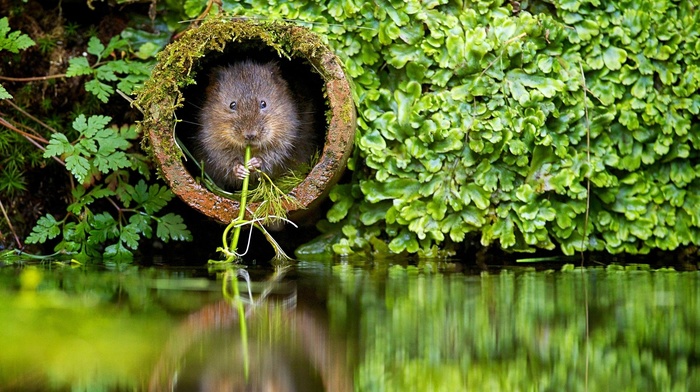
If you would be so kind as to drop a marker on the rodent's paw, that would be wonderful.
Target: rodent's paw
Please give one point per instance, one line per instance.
(255, 162)
(241, 171)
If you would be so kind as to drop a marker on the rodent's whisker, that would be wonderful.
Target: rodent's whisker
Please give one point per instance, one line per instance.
(190, 122)
(196, 106)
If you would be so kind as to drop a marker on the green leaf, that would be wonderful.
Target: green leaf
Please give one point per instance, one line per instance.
(139, 193)
(405, 99)
(14, 41)
(129, 235)
(105, 73)
(391, 189)
(171, 226)
(58, 145)
(115, 43)
(46, 228)
(502, 229)
(374, 213)
(82, 199)
(78, 166)
(142, 224)
(90, 127)
(476, 194)
(148, 50)
(629, 119)
(547, 86)
(93, 126)
(95, 47)
(118, 252)
(373, 140)
(405, 241)
(158, 197)
(78, 66)
(110, 140)
(586, 30)
(614, 58)
(4, 94)
(103, 226)
(402, 54)
(100, 90)
(114, 161)
(643, 85)
(129, 83)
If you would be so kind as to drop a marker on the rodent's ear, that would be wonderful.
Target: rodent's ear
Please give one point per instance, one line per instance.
(216, 73)
(274, 68)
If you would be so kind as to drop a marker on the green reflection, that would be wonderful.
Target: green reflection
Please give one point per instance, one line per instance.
(519, 331)
(81, 329)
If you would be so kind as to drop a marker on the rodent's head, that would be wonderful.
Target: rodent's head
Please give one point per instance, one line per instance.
(250, 103)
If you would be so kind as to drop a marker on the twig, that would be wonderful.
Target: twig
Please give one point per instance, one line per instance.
(32, 78)
(9, 224)
(195, 21)
(501, 54)
(32, 138)
(19, 109)
(588, 160)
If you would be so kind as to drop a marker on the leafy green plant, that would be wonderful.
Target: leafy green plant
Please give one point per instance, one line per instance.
(13, 41)
(565, 124)
(115, 204)
(95, 233)
(261, 216)
(127, 74)
(97, 150)
(483, 122)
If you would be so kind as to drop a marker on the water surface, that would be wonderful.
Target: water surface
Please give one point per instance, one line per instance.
(363, 327)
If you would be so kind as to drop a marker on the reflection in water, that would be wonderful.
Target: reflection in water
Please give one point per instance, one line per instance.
(282, 348)
(599, 330)
(375, 327)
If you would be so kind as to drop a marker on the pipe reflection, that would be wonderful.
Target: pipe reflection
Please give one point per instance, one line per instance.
(286, 348)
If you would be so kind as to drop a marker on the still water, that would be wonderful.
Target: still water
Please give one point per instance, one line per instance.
(341, 327)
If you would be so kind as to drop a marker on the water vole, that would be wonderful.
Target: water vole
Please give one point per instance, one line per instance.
(249, 103)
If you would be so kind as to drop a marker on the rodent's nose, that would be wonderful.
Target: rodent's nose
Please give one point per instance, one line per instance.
(250, 136)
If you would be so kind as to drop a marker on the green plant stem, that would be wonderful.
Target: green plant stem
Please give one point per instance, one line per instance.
(242, 206)
(241, 315)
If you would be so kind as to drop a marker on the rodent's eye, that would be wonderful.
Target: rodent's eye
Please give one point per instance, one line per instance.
(233, 105)
(263, 104)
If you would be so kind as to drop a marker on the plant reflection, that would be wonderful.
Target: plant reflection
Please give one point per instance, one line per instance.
(256, 341)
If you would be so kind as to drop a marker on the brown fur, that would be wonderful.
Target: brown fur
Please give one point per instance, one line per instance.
(280, 135)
